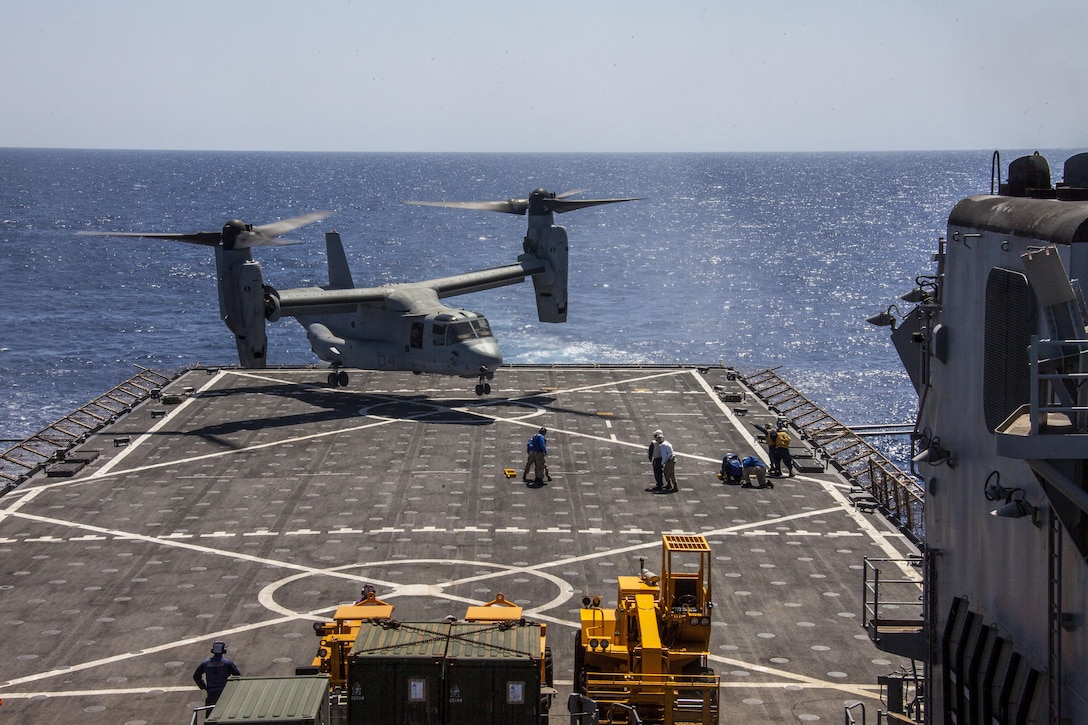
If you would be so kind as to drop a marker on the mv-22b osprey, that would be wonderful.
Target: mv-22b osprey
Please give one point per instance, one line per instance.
(402, 326)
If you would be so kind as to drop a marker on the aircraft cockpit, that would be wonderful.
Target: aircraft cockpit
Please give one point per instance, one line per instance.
(461, 338)
(449, 329)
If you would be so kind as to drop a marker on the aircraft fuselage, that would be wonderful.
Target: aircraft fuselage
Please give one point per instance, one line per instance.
(444, 340)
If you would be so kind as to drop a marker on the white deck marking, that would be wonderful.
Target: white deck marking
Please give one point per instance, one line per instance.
(565, 590)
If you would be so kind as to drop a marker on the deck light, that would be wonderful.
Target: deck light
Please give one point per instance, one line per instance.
(886, 318)
(1015, 506)
(934, 454)
(1016, 509)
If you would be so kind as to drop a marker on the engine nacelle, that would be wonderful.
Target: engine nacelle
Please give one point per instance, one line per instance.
(242, 303)
(272, 309)
(548, 242)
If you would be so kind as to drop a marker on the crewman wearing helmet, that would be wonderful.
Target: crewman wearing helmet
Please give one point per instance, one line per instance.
(211, 675)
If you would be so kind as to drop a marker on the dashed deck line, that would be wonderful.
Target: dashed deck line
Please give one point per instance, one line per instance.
(210, 542)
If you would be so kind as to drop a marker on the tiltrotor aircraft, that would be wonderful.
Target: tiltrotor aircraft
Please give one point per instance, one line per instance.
(400, 326)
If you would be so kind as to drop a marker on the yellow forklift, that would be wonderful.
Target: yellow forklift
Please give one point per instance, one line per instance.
(646, 661)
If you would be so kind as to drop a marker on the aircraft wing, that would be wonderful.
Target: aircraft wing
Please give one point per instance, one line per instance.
(462, 284)
(318, 301)
(306, 301)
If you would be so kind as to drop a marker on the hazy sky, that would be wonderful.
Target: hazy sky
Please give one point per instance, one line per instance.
(466, 75)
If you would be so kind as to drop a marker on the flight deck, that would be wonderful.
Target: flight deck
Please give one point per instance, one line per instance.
(245, 505)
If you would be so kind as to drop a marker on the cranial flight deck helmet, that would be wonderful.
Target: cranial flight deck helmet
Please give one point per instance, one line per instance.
(219, 648)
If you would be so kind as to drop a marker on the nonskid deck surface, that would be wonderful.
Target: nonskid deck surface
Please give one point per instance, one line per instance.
(263, 500)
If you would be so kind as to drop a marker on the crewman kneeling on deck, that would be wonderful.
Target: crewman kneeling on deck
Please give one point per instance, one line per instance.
(751, 465)
(732, 468)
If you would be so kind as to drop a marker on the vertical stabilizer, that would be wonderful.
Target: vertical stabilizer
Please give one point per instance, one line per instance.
(339, 272)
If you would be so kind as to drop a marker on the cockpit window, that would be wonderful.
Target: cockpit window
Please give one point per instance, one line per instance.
(483, 329)
(455, 332)
(460, 331)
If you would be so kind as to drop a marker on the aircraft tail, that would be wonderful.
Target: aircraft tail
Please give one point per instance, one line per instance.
(339, 272)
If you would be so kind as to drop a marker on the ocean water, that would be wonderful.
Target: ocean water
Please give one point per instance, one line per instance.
(755, 260)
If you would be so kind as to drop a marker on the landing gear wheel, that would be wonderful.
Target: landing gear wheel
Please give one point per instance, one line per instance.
(332, 380)
(483, 387)
(342, 379)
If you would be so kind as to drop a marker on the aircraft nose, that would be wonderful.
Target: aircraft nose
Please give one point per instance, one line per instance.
(487, 354)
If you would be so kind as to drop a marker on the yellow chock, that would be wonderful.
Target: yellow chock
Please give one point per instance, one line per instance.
(719, 476)
(510, 472)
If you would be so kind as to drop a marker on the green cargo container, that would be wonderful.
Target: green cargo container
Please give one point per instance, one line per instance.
(267, 700)
(445, 673)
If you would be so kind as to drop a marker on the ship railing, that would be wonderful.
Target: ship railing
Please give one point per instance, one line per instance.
(848, 714)
(1059, 369)
(900, 495)
(198, 711)
(892, 603)
(52, 447)
(903, 694)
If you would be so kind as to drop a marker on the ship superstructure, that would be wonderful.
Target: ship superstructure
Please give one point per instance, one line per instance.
(997, 349)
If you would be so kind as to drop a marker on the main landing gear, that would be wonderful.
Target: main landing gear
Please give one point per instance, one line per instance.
(483, 387)
(338, 378)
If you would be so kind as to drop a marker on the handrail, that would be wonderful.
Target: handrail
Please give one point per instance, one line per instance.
(202, 709)
(900, 495)
(55, 441)
(872, 605)
(1040, 406)
(848, 717)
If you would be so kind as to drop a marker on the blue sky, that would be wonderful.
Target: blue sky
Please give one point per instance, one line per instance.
(342, 75)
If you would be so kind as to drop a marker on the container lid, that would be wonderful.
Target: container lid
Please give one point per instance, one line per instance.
(454, 640)
(271, 700)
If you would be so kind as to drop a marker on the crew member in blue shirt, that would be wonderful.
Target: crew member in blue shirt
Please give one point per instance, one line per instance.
(751, 465)
(211, 674)
(537, 449)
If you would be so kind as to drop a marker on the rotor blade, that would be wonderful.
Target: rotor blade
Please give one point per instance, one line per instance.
(510, 206)
(557, 203)
(260, 236)
(275, 229)
(561, 205)
(208, 239)
(246, 240)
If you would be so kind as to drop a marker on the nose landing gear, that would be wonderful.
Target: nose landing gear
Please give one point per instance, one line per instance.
(483, 387)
